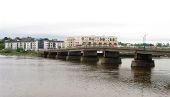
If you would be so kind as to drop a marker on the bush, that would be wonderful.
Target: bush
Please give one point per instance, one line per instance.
(6, 51)
(20, 50)
(1, 45)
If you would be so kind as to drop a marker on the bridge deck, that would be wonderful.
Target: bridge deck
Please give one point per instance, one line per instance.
(124, 50)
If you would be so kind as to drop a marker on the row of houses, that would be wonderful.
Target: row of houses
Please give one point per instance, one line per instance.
(86, 41)
(30, 43)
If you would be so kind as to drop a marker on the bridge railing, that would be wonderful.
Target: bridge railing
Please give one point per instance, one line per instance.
(109, 47)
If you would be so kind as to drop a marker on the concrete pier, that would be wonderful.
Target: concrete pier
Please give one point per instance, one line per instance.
(143, 60)
(62, 55)
(45, 54)
(89, 53)
(111, 57)
(52, 54)
(89, 56)
(73, 55)
(111, 54)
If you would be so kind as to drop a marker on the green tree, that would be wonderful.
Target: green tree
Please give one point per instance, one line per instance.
(159, 44)
(1, 45)
(59, 47)
(19, 50)
(167, 45)
(2, 42)
(122, 44)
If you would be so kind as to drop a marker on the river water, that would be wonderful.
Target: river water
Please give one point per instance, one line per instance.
(40, 77)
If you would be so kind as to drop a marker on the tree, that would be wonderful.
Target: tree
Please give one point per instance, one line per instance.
(159, 44)
(59, 47)
(1, 44)
(167, 45)
(122, 44)
(20, 50)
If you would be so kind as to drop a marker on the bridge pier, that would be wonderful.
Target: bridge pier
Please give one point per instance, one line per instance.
(89, 53)
(44, 54)
(73, 55)
(89, 56)
(62, 55)
(52, 54)
(143, 60)
(111, 57)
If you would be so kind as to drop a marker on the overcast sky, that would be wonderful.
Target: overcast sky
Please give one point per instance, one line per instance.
(129, 20)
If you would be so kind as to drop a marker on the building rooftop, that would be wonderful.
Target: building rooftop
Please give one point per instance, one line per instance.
(30, 39)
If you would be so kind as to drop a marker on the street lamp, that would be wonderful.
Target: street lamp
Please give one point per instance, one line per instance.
(144, 41)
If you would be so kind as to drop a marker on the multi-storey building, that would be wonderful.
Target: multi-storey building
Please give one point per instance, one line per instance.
(53, 44)
(59, 44)
(84, 41)
(33, 44)
(25, 43)
(70, 42)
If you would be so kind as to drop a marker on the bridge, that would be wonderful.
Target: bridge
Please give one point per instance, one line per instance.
(109, 55)
(123, 51)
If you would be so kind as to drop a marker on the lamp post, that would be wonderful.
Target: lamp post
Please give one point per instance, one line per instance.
(144, 41)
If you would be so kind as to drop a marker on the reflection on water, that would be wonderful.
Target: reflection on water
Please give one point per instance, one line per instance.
(108, 67)
(142, 75)
(89, 59)
(39, 77)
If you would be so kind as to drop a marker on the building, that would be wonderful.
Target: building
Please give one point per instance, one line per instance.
(29, 43)
(90, 41)
(59, 44)
(53, 44)
(41, 42)
(70, 42)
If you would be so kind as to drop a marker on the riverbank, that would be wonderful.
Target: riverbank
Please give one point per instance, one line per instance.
(18, 52)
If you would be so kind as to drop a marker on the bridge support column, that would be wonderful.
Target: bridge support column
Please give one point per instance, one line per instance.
(89, 53)
(44, 54)
(143, 60)
(52, 54)
(89, 56)
(111, 57)
(73, 55)
(62, 55)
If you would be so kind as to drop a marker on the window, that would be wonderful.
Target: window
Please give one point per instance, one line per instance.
(115, 44)
(100, 44)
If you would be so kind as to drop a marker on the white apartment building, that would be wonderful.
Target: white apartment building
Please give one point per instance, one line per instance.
(59, 44)
(8, 44)
(70, 42)
(86, 41)
(53, 44)
(14, 45)
(46, 44)
(25, 43)
(32, 44)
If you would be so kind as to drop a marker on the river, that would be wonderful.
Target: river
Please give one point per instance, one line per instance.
(40, 77)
